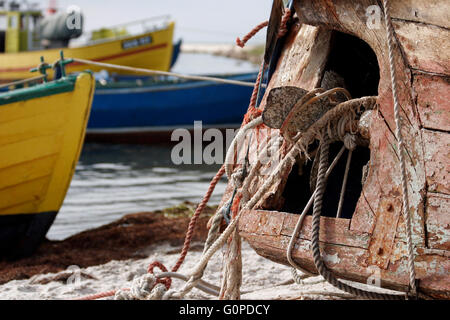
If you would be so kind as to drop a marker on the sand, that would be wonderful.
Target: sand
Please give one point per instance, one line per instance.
(111, 256)
(262, 279)
(259, 274)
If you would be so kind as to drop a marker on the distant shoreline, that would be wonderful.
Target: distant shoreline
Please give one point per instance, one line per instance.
(251, 53)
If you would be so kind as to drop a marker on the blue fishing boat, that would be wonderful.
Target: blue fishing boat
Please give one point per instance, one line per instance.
(137, 111)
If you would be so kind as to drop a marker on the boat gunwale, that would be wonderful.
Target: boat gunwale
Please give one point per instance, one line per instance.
(169, 86)
(63, 85)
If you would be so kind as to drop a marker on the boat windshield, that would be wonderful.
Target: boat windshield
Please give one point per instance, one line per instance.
(3, 26)
(19, 31)
(123, 30)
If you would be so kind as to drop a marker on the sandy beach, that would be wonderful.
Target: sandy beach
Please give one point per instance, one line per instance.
(110, 257)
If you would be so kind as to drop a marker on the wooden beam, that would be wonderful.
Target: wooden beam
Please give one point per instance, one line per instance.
(426, 47)
(435, 12)
(347, 262)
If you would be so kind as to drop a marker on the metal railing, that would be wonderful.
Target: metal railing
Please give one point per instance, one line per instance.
(20, 82)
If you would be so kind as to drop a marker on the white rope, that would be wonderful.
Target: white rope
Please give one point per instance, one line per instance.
(164, 73)
(15, 83)
(232, 270)
(401, 148)
(238, 142)
(141, 288)
(197, 272)
(201, 285)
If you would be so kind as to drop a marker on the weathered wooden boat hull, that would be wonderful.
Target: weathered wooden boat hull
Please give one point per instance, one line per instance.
(373, 238)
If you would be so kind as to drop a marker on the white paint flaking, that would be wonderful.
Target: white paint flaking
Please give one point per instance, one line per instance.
(331, 258)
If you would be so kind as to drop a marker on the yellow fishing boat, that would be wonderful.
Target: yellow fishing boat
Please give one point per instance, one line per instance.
(25, 35)
(42, 129)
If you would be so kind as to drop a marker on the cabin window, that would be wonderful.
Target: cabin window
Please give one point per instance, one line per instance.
(13, 22)
(357, 64)
(3, 22)
(23, 22)
(3, 27)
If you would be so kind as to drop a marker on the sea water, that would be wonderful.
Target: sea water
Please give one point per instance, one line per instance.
(111, 181)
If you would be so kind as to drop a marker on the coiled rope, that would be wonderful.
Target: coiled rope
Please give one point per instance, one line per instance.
(337, 121)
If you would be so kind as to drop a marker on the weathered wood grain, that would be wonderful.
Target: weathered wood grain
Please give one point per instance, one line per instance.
(347, 262)
(301, 64)
(437, 155)
(433, 100)
(384, 179)
(435, 12)
(375, 237)
(426, 47)
(275, 223)
(438, 221)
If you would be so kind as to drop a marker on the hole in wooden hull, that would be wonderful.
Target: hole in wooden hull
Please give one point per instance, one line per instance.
(354, 61)
(297, 190)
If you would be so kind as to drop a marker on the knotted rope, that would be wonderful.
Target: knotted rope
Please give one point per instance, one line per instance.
(338, 123)
(298, 278)
(251, 120)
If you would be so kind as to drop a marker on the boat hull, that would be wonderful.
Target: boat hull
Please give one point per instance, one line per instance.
(150, 114)
(151, 50)
(369, 242)
(41, 135)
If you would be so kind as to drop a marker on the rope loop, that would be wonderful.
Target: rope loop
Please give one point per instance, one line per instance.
(166, 281)
(251, 34)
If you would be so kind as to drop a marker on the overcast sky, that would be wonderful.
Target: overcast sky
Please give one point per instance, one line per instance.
(196, 20)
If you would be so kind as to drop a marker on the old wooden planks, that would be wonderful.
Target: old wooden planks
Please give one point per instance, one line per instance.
(375, 236)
